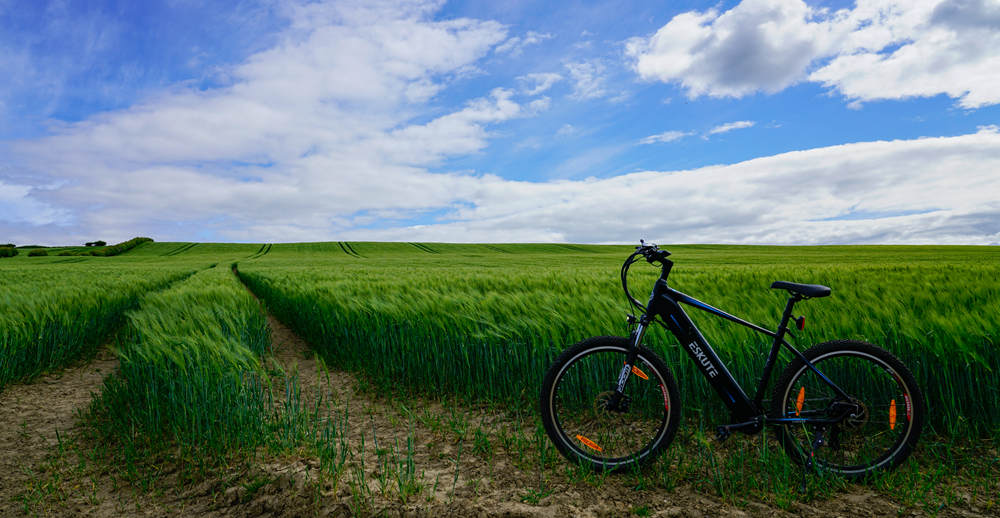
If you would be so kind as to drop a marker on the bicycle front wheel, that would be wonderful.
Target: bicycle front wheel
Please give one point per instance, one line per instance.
(875, 428)
(585, 420)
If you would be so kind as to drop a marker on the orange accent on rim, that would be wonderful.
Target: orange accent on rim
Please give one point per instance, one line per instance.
(892, 414)
(799, 400)
(588, 443)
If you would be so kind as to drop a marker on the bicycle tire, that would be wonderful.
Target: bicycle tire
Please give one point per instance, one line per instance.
(878, 436)
(573, 404)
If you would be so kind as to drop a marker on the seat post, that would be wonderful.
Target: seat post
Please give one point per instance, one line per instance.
(779, 336)
(787, 315)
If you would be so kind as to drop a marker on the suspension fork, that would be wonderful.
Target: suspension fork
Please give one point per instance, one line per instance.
(630, 359)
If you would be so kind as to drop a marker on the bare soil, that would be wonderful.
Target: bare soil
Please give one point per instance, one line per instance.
(37, 418)
(466, 461)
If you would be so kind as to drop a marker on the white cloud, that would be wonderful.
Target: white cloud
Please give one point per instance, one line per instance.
(310, 131)
(539, 105)
(588, 78)
(457, 133)
(925, 49)
(730, 126)
(534, 84)
(880, 49)
(757, 45)
(930, 190)
(666, 136)
(566, 130)
(515, 45)
(17, 206)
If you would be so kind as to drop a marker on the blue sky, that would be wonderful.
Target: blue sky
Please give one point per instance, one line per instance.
(754, 121)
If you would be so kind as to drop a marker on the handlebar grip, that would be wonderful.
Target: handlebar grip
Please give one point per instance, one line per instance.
(656, 255)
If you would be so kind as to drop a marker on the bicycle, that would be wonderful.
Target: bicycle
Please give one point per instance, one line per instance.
(845, 406)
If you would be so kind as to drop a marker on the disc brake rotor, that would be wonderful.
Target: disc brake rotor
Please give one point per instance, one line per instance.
(858, 418)
(602, 405)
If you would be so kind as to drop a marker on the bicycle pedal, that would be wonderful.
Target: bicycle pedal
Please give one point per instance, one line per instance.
(722, 433)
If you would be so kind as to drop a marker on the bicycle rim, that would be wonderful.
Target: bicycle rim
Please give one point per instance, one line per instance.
(873, 435)
(609, 438)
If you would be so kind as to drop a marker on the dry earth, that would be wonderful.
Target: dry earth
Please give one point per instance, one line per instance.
(465, 463)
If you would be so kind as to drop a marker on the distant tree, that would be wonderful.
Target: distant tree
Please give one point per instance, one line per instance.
(124, 246)
(38, 252)
(96, 243)
(8, 245)
(7, 251)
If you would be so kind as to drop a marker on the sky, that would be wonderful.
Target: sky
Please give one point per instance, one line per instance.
(748, 122)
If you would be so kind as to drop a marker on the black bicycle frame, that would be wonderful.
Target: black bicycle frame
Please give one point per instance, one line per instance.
(664, 302)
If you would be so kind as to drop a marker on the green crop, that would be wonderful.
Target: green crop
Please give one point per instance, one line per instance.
(485, 321)
(53, 313)
(55, 309)
(190, 368)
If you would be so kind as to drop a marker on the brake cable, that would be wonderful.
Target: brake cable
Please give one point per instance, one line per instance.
(624, 273)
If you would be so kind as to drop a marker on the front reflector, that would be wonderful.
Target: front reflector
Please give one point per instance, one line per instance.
(799, 400)
(892, 414)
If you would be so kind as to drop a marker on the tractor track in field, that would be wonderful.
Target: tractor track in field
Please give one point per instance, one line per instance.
(424, 248)
(348, 249)
(180, 250)
(264, 249)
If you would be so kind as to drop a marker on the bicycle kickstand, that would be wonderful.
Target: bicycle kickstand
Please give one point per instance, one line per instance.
(810, 464)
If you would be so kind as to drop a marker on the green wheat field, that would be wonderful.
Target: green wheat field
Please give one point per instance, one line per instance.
(478, 323)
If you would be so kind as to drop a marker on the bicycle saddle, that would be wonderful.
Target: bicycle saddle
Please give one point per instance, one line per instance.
(805, 290)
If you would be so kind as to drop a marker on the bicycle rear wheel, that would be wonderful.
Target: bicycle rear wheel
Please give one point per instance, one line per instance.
(884, 414)
(585, 424)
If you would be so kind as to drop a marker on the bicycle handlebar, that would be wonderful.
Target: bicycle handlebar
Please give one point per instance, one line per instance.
(652, 254)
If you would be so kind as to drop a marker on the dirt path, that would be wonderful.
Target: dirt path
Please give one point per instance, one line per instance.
(36, 417)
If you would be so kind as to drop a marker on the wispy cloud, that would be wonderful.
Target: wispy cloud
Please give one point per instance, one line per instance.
(515, 45)
(566, 130)
(588, 78)
(666, 136)
(536, 83)
(730, 126)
